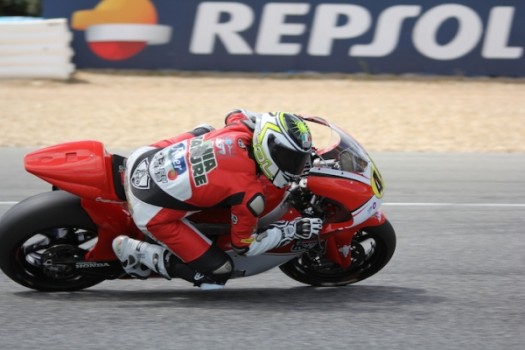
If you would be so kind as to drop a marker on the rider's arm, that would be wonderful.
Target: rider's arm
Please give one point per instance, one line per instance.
(244, 217)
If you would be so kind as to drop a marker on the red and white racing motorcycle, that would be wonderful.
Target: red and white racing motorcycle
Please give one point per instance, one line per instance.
(61, 240)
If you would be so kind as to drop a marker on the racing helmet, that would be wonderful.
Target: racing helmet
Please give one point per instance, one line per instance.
(282, 144)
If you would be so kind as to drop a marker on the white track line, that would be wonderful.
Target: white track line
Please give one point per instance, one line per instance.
(488, 205)
(502, 205)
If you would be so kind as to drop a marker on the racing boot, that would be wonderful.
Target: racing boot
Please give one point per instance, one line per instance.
(177, 268)
(140, 258)
(213, 269)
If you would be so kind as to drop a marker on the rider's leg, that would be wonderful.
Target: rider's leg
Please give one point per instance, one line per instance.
(211, 264)
(215, 268)
(206, 263)
(139, 258)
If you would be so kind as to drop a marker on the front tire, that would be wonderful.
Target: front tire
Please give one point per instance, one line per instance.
(319, 271)
(46, 227)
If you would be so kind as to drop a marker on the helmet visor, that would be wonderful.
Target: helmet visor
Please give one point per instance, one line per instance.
(288, 160)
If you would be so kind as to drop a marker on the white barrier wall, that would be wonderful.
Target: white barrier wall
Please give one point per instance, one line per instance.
(35, 48)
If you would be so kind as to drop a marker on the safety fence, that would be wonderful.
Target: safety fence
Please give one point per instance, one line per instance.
(35, 48)
(445, 37)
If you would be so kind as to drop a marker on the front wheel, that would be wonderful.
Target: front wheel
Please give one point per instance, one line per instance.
(41, 238)
(318, 271)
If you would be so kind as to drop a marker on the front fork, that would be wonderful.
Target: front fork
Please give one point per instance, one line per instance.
(342, 248)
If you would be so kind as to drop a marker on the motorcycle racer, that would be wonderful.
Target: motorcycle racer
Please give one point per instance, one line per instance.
(205, 168)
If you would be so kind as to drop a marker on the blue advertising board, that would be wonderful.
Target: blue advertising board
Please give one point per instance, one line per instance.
(469, 37)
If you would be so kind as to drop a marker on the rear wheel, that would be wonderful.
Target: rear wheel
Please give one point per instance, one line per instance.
(42, 237)
(372, 249)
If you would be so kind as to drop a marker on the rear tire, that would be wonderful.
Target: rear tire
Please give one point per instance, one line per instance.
(324, 273)
(45, 226)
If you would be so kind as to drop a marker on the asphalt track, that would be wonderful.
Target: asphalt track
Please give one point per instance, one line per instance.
(455, 282)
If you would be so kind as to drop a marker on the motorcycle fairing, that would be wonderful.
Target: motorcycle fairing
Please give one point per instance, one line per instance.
(112, 220)
(351, 190)
(249, 266)
(83, 168)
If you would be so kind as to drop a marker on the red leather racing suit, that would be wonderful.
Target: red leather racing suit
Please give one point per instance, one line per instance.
(174, 178)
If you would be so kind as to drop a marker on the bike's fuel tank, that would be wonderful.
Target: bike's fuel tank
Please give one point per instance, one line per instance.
(83, 168)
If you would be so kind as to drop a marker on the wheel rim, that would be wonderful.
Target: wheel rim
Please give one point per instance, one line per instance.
(328, 273)
(43, 257)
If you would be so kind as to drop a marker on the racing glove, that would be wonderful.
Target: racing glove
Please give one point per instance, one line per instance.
(283, 232)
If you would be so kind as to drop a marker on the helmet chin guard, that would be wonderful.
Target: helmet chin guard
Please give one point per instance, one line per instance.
(282, 146)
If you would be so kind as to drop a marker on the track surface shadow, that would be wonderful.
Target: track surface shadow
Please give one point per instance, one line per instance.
(285, 299)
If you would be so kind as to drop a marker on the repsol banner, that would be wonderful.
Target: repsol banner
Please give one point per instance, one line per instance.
(473, 37)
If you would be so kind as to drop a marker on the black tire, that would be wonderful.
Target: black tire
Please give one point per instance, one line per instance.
(47, 221)
(324, 273)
